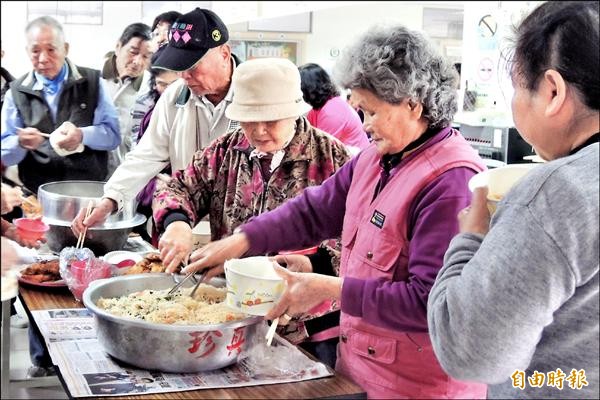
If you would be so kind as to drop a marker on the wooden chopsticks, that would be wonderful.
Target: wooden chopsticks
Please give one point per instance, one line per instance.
(271, 331)
(82, 234)
(46, 135)
(29, 201)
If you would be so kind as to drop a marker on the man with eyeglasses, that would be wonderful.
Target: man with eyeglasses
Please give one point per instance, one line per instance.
(187, 117)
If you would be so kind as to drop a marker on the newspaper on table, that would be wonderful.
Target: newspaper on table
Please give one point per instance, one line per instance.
(87, 369)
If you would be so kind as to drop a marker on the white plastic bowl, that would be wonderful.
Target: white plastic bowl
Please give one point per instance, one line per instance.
(201, 234)
(55, 137)
(253, 286)
(499, 181)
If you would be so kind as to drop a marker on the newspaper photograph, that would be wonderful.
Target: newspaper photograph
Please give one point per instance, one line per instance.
(87, 369)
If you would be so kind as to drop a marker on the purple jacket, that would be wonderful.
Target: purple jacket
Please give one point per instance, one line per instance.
(318, 214)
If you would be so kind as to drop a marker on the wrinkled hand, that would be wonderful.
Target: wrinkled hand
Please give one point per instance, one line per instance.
(12, 234)
(294, 262)
(29, 138)
(303, 292)
(214, 254)
(175, 245)
(72, 136)
(97, 217)
(476, 217)
(11, 198)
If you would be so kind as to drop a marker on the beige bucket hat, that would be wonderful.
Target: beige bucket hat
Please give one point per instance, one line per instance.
(266, 89)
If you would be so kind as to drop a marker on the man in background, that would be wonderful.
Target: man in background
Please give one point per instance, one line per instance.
(124, 72)
(61, 97)
(70, 101)
(187, 117)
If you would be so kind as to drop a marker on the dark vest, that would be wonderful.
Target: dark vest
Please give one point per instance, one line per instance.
(77, 103)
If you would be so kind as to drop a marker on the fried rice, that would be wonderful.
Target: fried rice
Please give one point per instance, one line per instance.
(157, 306)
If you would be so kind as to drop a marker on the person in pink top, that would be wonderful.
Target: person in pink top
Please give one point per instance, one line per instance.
(330, 112)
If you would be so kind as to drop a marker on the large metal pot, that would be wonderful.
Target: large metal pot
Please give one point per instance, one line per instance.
(61, 201)
(163, 347)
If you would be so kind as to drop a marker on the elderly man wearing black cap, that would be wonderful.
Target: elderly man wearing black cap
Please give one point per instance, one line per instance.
(187, 117)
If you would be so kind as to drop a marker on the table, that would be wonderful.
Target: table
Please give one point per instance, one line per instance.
(336, 386)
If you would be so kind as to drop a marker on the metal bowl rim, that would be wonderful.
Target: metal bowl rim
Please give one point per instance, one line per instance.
(138, 219)
(49, 184)
(89, 304)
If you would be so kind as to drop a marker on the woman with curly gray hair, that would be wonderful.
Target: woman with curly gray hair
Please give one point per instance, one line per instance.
(394, 205)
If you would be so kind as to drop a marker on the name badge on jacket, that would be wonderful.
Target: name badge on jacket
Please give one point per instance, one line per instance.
(378, 219)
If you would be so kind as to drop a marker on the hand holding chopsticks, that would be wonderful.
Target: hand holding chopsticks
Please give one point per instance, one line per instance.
(81, 237)
(31, 138)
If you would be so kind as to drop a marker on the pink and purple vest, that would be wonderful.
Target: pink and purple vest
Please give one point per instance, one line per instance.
(389, 363)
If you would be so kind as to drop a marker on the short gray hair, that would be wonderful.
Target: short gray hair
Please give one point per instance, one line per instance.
(395, 63)
(47, 21)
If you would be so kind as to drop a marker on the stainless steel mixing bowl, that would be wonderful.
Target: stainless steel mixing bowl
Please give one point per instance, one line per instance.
(163, 347)
(99, 240)
(61, 201)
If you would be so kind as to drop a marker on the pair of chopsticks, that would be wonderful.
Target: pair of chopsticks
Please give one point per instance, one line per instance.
(82, 234)
(200, 280)
(46, 135)
(271, 331)
(29, 201)
(178, 285)
(191, 274)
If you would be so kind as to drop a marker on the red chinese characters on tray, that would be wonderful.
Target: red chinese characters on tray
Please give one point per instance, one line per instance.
(204, 343)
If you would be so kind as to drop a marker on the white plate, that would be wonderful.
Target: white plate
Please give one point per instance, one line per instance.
(115, 257)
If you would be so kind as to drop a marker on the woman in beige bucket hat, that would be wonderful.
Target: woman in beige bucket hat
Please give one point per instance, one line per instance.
(272, 157)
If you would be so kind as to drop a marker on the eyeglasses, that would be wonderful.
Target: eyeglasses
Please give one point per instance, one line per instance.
(160, 30)
(163, 84)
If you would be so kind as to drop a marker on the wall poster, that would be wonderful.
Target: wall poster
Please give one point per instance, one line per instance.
(249, 49)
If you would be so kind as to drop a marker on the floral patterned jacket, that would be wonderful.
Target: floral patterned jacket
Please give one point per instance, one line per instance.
(224, 182)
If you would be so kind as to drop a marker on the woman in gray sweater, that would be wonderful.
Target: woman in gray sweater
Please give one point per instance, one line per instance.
(516, 303)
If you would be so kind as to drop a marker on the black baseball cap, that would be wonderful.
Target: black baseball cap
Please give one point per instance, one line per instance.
(190, 37)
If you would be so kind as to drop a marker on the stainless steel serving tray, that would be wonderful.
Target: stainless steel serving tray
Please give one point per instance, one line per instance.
(163, 347)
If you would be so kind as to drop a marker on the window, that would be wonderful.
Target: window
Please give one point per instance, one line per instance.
(67, 12)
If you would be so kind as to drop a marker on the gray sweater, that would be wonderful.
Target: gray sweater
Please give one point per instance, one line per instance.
(526, 297)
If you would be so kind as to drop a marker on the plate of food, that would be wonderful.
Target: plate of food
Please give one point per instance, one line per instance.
(150, 263)
(44, 273)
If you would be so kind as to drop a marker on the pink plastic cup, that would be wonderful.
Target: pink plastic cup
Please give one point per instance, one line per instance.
(31, 229)
(78, 270)
(83, 277)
